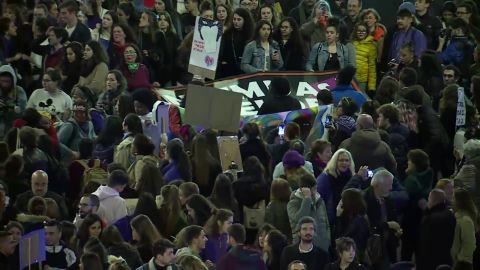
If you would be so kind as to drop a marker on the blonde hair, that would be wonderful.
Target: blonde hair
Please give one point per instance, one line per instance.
(189, 262)
(331, 167)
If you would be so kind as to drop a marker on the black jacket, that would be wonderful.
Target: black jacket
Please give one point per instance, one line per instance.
(275, 104)
(315, 259)
(81, 34)
(231, 52)
(438, 226)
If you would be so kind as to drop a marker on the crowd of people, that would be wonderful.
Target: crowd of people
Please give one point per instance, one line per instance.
(393, 184)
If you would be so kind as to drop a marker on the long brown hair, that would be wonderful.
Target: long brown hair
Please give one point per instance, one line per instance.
(171, 207)
(463, 202)
(218, 215)
(145, 229)
(202, 159)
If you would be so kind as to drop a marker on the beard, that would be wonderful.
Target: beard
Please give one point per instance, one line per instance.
(307, 239)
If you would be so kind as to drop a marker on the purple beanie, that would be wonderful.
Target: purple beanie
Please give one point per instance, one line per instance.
(293, 159)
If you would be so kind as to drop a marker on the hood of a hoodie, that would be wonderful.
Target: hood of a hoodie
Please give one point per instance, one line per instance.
(245, 254)
(9, 69)
(104, 192)
(298, 195)
(366, 138)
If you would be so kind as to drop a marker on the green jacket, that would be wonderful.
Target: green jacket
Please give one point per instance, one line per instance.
(419, 185)
(464, 239)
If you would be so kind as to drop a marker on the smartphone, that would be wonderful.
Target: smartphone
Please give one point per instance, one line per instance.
(328, 120)
(281, 130)
(370, 173)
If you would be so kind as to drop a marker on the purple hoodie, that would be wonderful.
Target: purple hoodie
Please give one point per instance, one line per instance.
(215, 247)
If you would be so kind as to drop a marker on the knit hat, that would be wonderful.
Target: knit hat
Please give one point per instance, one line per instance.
(293, 159)
(408, 7)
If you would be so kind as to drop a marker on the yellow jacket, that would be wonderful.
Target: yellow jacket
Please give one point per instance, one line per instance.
(366, 53)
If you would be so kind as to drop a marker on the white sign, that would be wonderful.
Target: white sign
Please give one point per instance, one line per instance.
(205, 47)
(461, 111)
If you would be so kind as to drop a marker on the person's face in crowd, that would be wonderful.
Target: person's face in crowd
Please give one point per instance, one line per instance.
(122, 17)
(370, 19)
(191, 213)
(326, 154)
(382, 122)
(225, 225)
(78, 95)
(140, 108)
(7, 245)
(266, 247)
(463, 14)
(52, 236)
(39, 13)
(361, 32)
(353, 8)
(82, 18)
(130, 55)
(191, 5)
(95, 229)
(166, 258)
(80, 116)
(404, 22)
(12, 29)
(297, 266)
(247, 4)
(343, 162)
(39, 185)
(182, 197)
(220, 2)
(207, 14)
(449, 77)
(54, 10)
(447, 15)
(264, 32)
(384, 188)
(111, 82)
(410, 167)
(309, 3)
(163, 23)
(143, 20)
(348, 256)
(6, 84)
(65, 16)
(254, 4)
(266, 14)
(10, 13)
(87, 53)
(307, 231)
(70, 55)
(238, 22)
(332, 34)
(53, 39)
(49, 84)
(135, 235)
(406, 56)
(286, 29)
(16, 234)
(458, 32)
(159, 6)
(201, 240)
(119, 35)
(85, 207)
(221, 13)
(107, 21)
(448, 189)
(421, 6)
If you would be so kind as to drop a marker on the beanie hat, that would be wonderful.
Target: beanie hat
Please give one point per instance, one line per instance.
(293, 159)
(408, 7)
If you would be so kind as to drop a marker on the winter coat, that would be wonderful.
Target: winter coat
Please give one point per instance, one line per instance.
(319, 55)
(330, 188)
(95, 81)
(71, 133)
(299, 206)
(15, 102)
(277, 215)
(135, 170)
(438, 226)
(275, 104)
(464, 239)
(469, 178)
(366, 53)
(426, 100)
(341, 91)
(231, 52)
(241, 257)
(419, 185)
(22, 202)
(123, 152)
(253, 59)
(398, 142)
(248, 191)
(357, 228)
(368, 141)
(114, 206)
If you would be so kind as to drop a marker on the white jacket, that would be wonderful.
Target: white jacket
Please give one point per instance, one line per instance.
(113, 207)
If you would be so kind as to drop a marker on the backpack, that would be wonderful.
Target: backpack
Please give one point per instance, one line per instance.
(95, 174)
(254, 217)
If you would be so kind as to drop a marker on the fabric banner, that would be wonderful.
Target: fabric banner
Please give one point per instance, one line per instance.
(32, 248)
(254, 88)
(207, 36)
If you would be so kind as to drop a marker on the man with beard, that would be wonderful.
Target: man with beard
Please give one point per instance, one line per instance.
(89, 204)
(305, 251)
(302, 12)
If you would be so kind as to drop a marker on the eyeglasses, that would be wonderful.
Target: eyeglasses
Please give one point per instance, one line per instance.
(462, 13)
(361, 31)
(46, 81)
(129, 52)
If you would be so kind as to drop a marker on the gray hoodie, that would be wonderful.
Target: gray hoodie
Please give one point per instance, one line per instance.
(15, 101)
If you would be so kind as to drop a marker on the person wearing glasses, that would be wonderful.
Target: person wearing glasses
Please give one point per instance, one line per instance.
(133, 70)
(366, 57)
(468, 12)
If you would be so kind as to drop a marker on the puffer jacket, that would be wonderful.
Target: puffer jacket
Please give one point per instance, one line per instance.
(366, 59)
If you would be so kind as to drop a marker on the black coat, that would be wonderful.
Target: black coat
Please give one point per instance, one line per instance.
(231, 52)
(81, 34)
(438, 227)
(256, 147)
(352, 266)
(275, 104)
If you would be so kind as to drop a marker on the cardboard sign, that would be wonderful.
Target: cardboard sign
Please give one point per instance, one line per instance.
(229, 149)
(32, 248)
(207, 36)
(213, 108)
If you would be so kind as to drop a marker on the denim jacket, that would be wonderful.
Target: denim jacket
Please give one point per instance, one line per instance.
(319, 55)
(253, 59)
